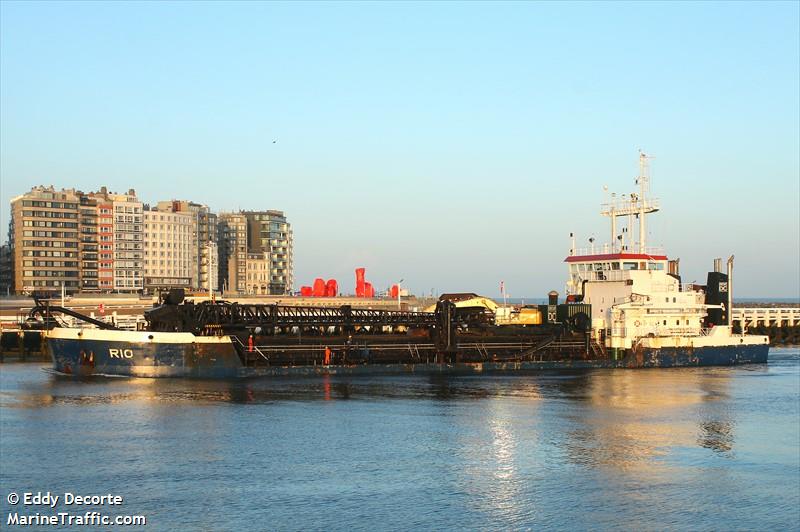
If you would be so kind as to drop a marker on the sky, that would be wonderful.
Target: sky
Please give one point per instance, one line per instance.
(451, 145)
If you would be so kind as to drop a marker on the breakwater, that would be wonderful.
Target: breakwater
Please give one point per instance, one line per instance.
(781, 322)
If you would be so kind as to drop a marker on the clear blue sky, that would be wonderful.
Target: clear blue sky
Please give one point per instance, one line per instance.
(450, 144)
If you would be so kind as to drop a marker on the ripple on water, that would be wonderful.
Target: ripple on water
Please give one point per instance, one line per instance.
(708, 448)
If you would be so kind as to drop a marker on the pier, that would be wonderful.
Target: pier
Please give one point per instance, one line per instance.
(781, 324)
(765, 316)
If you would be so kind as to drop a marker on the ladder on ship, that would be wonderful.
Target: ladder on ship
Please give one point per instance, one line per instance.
(482, 351)
(414, 350)
(598, 349)
(246, 350)
(538, 347)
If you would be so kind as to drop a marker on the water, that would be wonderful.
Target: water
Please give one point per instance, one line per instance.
(708, 448)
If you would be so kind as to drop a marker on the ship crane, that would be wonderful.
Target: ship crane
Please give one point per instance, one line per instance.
(638, 205)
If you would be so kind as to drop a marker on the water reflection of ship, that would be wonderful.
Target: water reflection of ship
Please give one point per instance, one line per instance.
(633, 419)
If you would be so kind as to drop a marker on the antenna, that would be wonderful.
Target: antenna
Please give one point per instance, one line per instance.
(644, 188)
(643, 180)
(633, 205)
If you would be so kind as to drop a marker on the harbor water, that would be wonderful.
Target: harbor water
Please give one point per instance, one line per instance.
(659, 449)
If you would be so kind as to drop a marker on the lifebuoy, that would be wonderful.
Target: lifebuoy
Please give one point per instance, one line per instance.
(637, 323)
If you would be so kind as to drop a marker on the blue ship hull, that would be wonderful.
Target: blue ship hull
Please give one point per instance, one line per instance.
(143, 359)
(78, 356)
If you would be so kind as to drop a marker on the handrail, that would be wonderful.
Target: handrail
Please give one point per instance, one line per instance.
(247, 348)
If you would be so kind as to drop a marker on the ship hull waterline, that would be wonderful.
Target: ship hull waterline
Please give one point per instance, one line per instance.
(219, 360)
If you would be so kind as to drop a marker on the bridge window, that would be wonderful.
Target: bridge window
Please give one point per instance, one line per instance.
(629, 266)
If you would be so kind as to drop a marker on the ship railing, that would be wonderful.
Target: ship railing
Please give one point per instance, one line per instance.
(766, 311)
(256, 349)
(663, 332)
(668, 311)
(405, 347)
(622, 275)
(414, 349)
(605, 275)
(124, 322)
(624, 206)
(607, 249)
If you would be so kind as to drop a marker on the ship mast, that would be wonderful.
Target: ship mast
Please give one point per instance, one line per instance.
(644, 181)
(639, 205)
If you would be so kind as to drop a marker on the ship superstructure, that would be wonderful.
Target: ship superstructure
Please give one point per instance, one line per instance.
(635, 291)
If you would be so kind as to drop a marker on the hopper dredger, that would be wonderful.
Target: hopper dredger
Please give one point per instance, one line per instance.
(626, 307)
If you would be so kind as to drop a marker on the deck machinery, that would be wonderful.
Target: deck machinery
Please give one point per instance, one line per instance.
(301, 335)
(284, 335)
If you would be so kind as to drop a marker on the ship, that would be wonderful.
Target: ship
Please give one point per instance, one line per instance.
(625, 306)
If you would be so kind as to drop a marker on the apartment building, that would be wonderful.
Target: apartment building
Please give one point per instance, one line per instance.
(6, 281)
(205, 268)
(89, 244)
(268, 232)
(105, 240)
(232, 242)
(109, 242)
(125, 242)
(257, 278)
(43, 241)
(168, 246)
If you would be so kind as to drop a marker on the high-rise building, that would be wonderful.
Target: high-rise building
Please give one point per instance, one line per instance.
(168, 246)
(269, 232)
(109, 242)
(44, 242)
(232, 243)
(105, 239)
(204, 269)
(125, 244)
(89, 244)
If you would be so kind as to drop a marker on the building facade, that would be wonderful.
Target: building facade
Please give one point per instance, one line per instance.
(43, 241)
(108, 242)
(269, 232)
(122, 248)
(257, 279)
(205, 267)
(105, 243)
(6, 280)
(89, 244)
(232, 242)
(168, 245)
